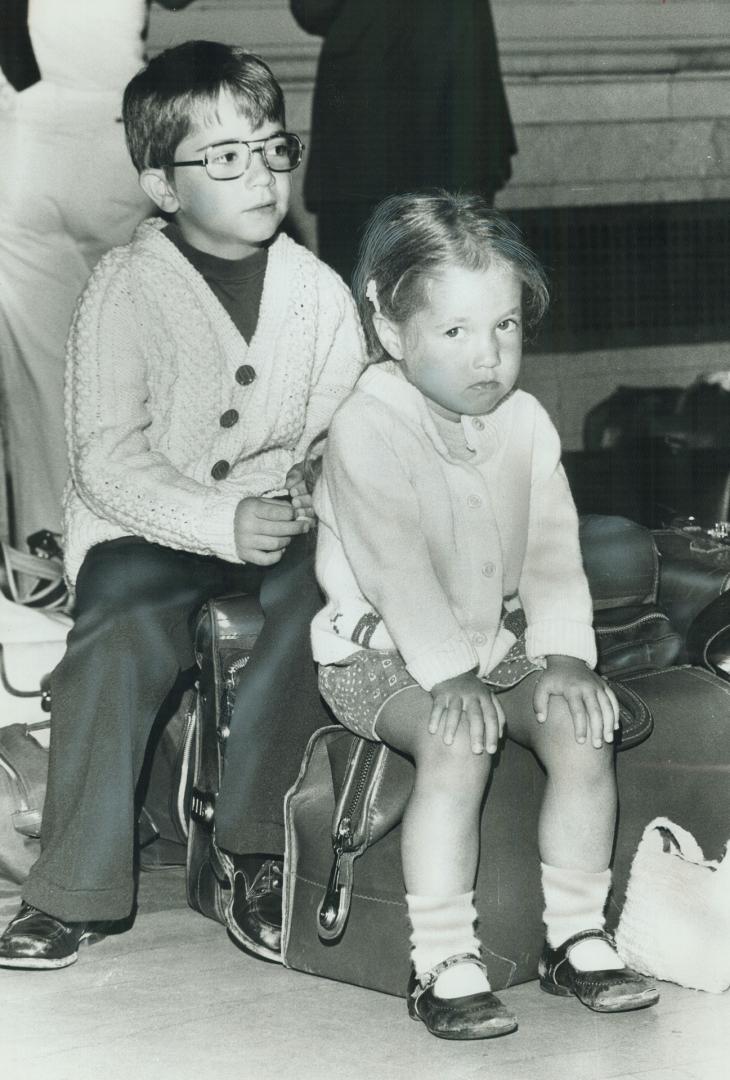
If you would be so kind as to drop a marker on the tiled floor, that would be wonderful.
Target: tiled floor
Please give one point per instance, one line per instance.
(173, 998)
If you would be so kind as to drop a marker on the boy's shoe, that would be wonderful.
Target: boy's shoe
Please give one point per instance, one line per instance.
(38, 941)
(606, 991)
(474, 1016)
(253, 915)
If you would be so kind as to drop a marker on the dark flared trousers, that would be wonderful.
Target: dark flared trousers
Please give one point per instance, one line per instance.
(137, 605)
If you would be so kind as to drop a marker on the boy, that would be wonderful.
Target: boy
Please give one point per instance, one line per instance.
(203, 358)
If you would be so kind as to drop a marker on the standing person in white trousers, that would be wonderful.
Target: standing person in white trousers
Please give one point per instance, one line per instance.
(68, 193)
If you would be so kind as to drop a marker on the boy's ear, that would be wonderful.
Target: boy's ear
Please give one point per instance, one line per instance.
(389, 335)
(157, 187)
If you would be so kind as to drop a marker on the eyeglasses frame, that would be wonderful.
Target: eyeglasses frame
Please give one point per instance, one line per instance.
(252, 149)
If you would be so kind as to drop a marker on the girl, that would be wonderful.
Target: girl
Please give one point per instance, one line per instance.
(457, 607)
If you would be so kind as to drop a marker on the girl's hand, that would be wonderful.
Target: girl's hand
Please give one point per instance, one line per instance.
(301, 499)
(591, 700)
(466, 696)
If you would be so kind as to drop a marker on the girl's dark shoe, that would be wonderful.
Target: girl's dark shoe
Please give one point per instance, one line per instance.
(474, 1016)
(603, 991)
(40, 942)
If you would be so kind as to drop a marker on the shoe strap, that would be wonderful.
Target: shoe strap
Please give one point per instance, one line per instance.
(428, 978)
(585, 935)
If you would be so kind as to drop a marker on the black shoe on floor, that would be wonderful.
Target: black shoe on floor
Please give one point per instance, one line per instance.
(40, 942)
(253, 915)
(473, 1016)
(607, 991)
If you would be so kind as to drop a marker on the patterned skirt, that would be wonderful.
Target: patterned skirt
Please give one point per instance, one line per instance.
(357, 688)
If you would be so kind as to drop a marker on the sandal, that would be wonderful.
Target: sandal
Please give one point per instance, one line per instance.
(473, 1016)
(606, 991)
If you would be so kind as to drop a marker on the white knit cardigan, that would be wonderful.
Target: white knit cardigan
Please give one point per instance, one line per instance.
(151, 368)
(432, 545)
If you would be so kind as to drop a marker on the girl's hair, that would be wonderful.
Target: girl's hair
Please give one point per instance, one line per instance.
(411, 237)
(180, 88)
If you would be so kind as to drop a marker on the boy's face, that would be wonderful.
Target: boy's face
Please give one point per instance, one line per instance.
(227, 218)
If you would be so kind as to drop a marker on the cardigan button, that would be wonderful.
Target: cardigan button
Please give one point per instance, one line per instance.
(220, 470)
(478, 424)
(229, 418)
(488, 569)
(473, 501)
(479, 639)
(245, 375)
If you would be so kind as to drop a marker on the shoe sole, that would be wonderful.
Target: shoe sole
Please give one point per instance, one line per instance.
(629, 1004)
(41, 963)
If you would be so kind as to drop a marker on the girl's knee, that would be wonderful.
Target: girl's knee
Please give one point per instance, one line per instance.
(456, 766)
(560, 751)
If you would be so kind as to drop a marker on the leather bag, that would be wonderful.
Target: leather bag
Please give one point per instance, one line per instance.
(343, 886)
(226, 633)
(23, 772)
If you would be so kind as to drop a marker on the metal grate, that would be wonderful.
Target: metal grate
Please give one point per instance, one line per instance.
(629, 275)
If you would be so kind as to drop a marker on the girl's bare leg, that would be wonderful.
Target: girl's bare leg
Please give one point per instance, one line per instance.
(577, 822)
(439, 840)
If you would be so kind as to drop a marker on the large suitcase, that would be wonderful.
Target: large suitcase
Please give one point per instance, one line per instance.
(680, 770)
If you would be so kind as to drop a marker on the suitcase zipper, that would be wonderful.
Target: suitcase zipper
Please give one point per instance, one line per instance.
(330, 911)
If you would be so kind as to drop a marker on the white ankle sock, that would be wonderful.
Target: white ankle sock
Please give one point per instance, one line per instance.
(574, 901)
(442, 927)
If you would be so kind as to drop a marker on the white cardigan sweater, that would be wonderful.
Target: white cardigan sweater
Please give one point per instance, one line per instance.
(151, 368)
(432, 545)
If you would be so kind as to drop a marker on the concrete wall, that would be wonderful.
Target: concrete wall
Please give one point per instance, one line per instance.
(614, 101)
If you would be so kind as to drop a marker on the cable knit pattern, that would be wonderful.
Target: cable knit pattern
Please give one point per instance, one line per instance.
(151, 367)
(434, 544)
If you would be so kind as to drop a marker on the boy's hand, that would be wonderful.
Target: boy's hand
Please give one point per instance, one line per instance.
(466, 696)
(591, 700)
(301, 500)
(263, 528)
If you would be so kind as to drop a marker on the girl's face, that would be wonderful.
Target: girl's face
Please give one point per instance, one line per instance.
(463, 351)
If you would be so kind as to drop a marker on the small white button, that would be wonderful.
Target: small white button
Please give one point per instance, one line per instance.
(479, 424)
(479, 639)
(488, 569)
(473, 500)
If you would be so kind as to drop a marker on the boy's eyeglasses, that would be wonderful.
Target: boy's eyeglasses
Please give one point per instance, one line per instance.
(227, 161)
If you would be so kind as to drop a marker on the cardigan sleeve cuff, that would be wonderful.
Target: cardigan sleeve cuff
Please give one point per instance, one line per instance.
(216, 529)
(449, 659)
(556, 637)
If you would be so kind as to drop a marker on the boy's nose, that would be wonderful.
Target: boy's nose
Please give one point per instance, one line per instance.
(258, 171)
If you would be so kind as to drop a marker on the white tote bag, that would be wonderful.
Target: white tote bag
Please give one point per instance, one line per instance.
(32, 642)
(675, 923)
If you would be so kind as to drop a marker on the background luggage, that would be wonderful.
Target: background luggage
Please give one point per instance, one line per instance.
(23, 771)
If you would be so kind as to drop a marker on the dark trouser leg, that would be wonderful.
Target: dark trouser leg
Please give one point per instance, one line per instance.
(131, 638)
(277, 708)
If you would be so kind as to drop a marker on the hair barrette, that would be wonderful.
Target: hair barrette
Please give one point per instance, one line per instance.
(371, 292)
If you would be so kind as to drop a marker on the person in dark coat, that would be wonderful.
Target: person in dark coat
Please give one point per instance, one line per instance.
(408, 95)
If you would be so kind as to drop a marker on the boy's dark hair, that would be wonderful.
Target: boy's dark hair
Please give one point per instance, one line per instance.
(181, 86)
(410, 237)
